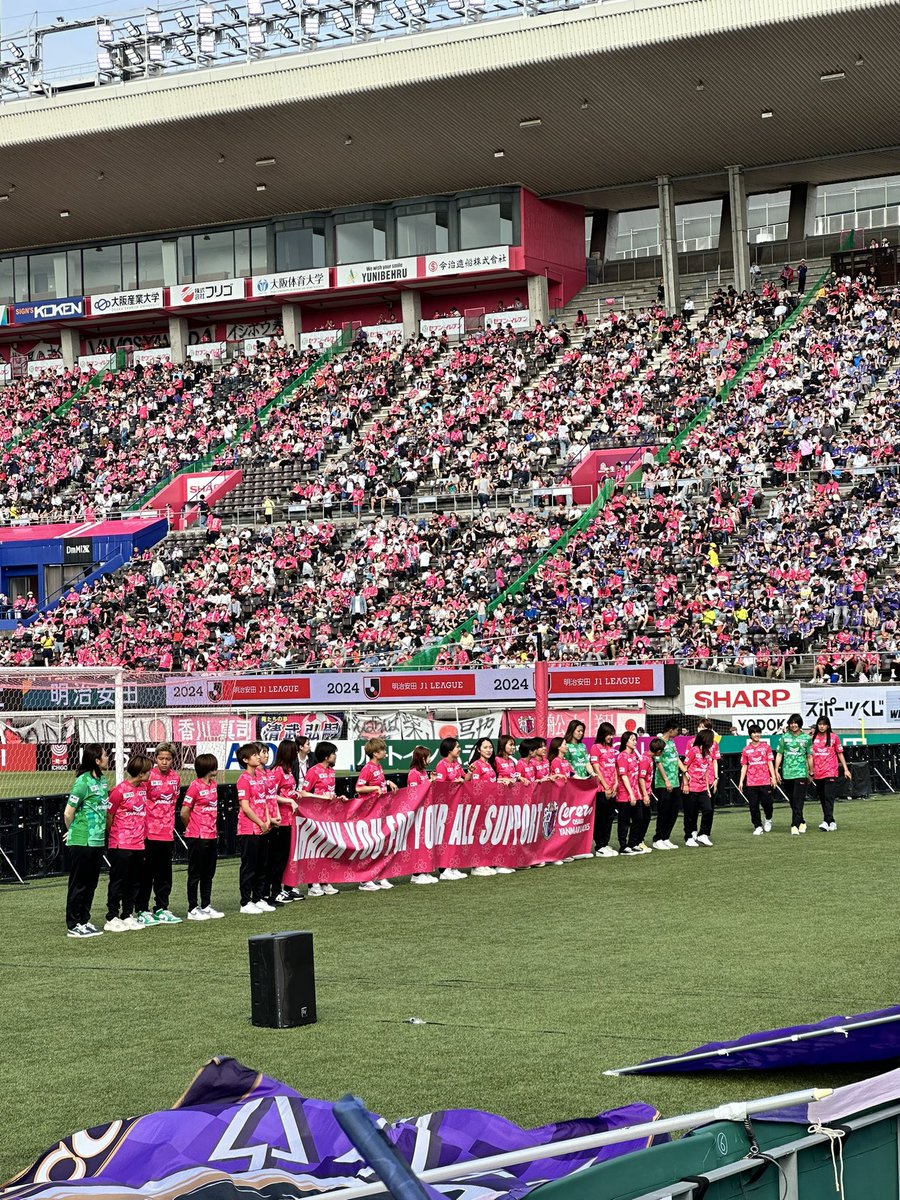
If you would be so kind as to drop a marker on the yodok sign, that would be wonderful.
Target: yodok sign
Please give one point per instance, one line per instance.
(756, 698)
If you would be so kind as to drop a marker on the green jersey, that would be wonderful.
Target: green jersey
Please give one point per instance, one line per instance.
(577, 756)
(795, 749)
(668, 760)
(90, 799)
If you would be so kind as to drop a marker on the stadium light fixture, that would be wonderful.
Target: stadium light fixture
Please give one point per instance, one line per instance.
(154, 23)
(342, 21)
(457, 6)
(256, 35)
(208, 43)
(133, 58)
(396, 11)
(367, 15)
(156, 52)
(206, 16)
(104, 59)
(19, 77)
(183, 46)
(183, 22)
(285, 30)
(832, 77)
(16, 51)
(255, 8)
(416, 8)
(478, 5)
(132, 30)
(289, 6)
(105, 35)
(311, 25)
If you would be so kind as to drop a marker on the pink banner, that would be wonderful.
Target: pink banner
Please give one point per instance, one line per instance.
(440, 825)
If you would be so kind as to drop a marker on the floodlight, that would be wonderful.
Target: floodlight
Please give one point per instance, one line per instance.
(132, 30)
(457, 6)
(289, 6)
(207, 42)
(105, 35)
(154, 23)
(104, 60)
(287, 32)
(367, 14)
(156, 52)
(311, 24)
(134, 59)
(184, 47)
(19, 77)
(182, 21)
(255, 8)
(396, 11)
(416, 8)
(256, 35)
(16, 51)
(206, 16)
(342, 21)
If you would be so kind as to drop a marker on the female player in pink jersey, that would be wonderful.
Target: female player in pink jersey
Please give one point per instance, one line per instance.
(560, 767)
(450, 770)
(757, 780)
(603, 764)
(628, 792)
(283, 776)
(199, 814)
(483, 767)
(418, 767)
(504, 760)
(827, 756)
(126, 817)
(319, 784)
(700, 782)
(253, 824)
(163, 787)
(371, 782)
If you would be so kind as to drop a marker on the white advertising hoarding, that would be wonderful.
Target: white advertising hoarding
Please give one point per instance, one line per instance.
(371, 274)
(216, 292)
(286, 282)
(467, 262)
(123, 302)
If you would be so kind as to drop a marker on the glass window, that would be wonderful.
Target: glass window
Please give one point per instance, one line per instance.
(7, 286)
(360, 237)
(185, 260)
(259, 250)
(422, 232)
(20, 286)
(637, 233)
(102, 269)
(301, 247)
(150, 264)
(47, 275)
(214, 256)
(486, 221)
(242, 252)
(73, 263)
(129, 266)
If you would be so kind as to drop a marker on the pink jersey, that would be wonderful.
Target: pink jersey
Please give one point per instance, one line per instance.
(319, 780)
(526, 769)
(604, 759)
(128, 808)
(285, 791)
(162, 794)
(506, 767)
(268, 774)
(701, 771)
(756, 757)
(541, 768)
(825, 756)
(646, 770)
(416, 778)
(450, 770)
(202, 798)
(561, 766)
(255, 790)
(482, 769)
(628, 764)
(372, 776)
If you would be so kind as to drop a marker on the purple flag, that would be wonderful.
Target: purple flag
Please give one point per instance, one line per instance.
(236, 1133)
(866, 1037)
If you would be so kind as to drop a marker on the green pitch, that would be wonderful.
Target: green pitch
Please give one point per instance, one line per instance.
(531, 984)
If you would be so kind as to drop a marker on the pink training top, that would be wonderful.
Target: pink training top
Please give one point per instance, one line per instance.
(604, 759)
(506, 767)
(756, 757)
(319, 780)
(541, 768)
(162, 794)
(128, 806)
(372, 775)
(481, 769)
(255, 790)
(628, 764)
(561, 766)
(701, 770)
(285, 791)
(825, 757)
(268, 773)
(416, 778)
(526, 770)
(202, 798)
(450, 770)
(646, 770)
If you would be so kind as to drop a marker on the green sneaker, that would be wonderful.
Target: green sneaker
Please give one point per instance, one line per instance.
(164, 917)
(145, 918)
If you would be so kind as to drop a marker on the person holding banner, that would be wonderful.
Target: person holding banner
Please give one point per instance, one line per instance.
(667, 786)
(482, 768)
(418, 777)
(560, 767)
(827, 753)
(504, 761)
(758, 774)
(700, 782)
(793, 766)
(319, 784)
(575, 750)
(603, 765)
(371, 782)
(450, 770)
(85, 820)
(526, 768)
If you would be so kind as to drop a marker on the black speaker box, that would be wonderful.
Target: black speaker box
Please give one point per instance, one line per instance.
(282, 980)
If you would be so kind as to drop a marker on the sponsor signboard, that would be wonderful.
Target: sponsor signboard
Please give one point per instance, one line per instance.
(522, 723)
(586, 682)
(382, 333)
(40, 365)
(845, 707)
(755, 698)
(453, 327)
(320, 339)
(285, 282)
(217, 292)
(317, 726)
(410, 727)
(124, 302)
(78, 551)
(96, 362)
(369, 274)
(67, 309)
(467, 262)
(516, 318)
(207, 350)
(160, 354)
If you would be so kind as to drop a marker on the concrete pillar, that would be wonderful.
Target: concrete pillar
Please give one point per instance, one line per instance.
(800, 196)
(292, 324)
(668, 244)
(70, 343)
(178, 339)
(411, 312)
(740, 247)
(599, 230)
(538, 299)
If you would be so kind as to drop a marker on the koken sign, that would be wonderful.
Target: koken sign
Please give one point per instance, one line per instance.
(49, 310)
(763, 699)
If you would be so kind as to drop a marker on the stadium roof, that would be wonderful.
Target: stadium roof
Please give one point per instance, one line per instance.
(624, 90)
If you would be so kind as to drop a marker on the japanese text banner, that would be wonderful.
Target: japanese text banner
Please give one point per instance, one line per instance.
(438, 825)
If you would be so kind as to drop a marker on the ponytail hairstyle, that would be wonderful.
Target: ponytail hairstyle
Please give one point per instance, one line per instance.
(90, 760)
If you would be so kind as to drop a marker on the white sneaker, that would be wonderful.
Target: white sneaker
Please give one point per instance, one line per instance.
(197, 914)
(704, 840)
(630, 850)
(556, 862)
(607, 852)
(385, 885)
(767, 827)
(133, 924)
(483, 872)
(802, 827)
(423, 879)
(692, 843)
(284, 897)
(265, 906)
(660, 845)
(671, 845)
(314, 889)
(832, 828)
(451, 875)
(250, 910)
(758, 831)
(114, 925)
(371, 886)
(211, 912)
(824, 826)
(512, 870)
(328, 889)
(795, 832)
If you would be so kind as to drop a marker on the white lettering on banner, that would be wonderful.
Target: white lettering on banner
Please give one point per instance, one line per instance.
(494, 258)
(145, 729)
(516, 318)
(96, 362)
(361, 274)
(161, 354)
(210, 350)
(320, 339)
(5, 372)
(198, 486)
(453, 327)
(118, 302)
(768, 699)
(845, 707)
(380, 333)
(46, 364)
(290, 281)
(206, 293)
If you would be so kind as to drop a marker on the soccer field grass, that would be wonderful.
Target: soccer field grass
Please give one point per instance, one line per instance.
(531, 984)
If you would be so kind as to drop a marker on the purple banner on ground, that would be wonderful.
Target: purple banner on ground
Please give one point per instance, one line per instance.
(236, 1133)
(866, 1037)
